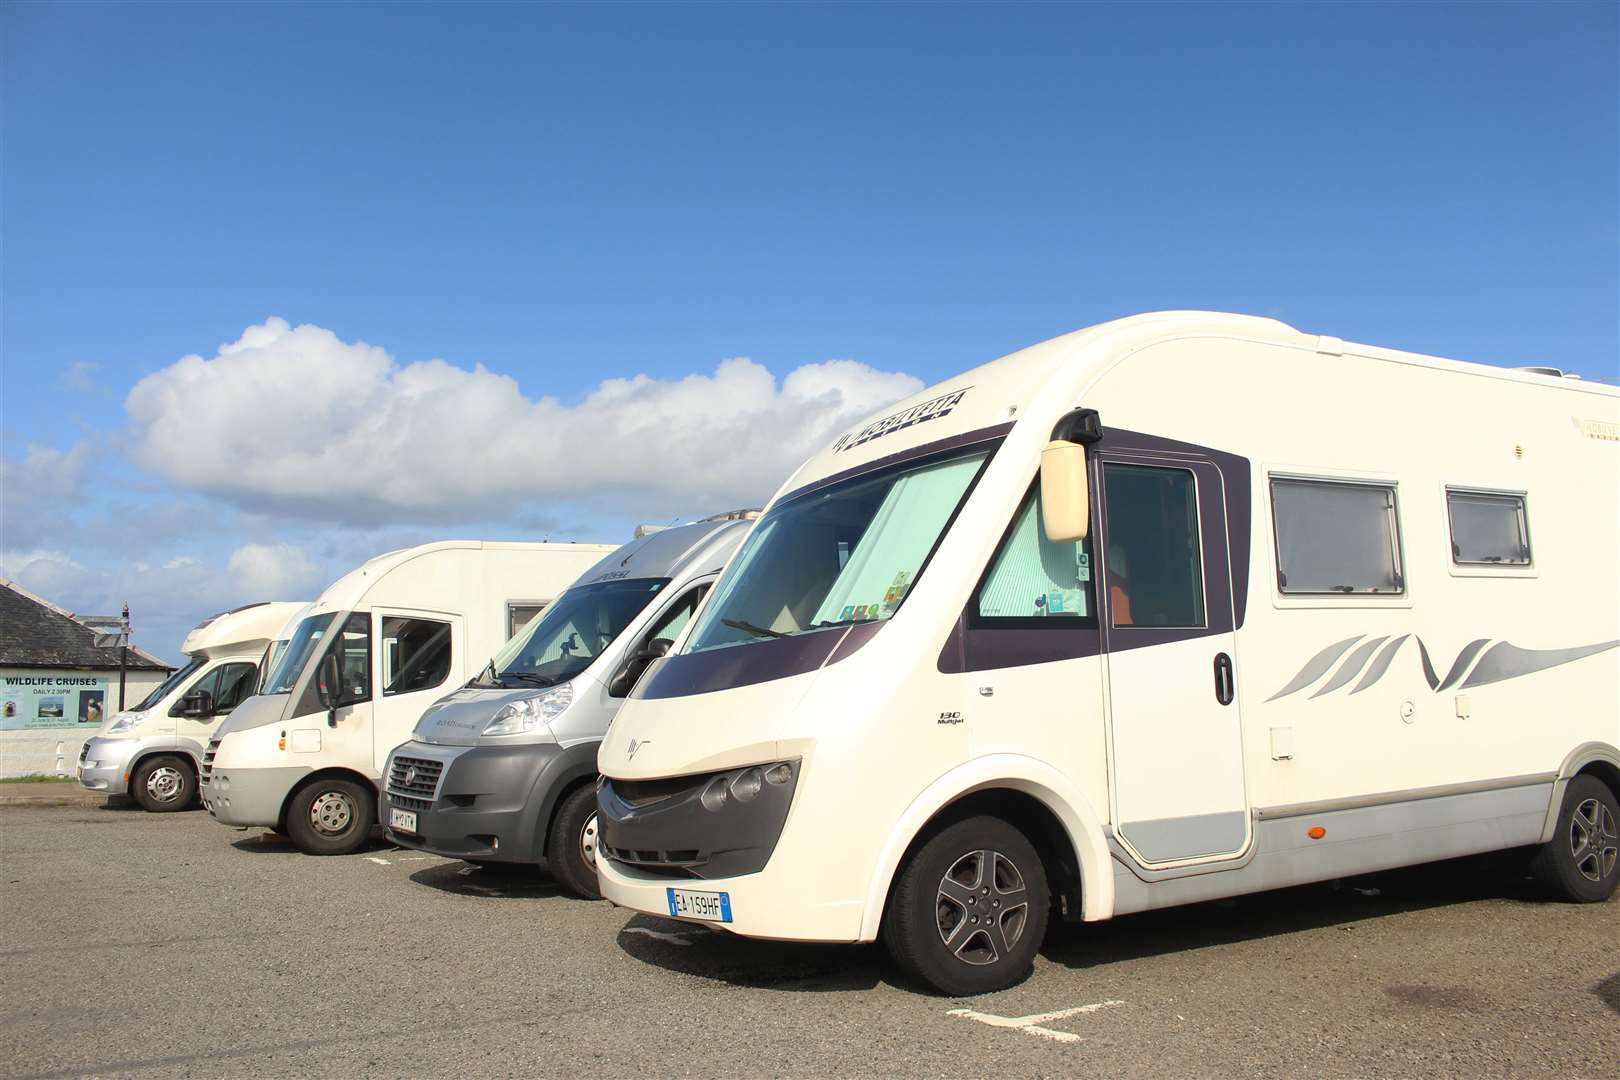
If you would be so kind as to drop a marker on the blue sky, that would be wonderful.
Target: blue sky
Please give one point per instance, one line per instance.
(545, 198)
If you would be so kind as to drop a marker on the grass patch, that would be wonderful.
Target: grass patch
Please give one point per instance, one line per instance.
(36, 778)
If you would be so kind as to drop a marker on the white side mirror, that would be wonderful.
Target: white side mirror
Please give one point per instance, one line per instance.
(1065, 495)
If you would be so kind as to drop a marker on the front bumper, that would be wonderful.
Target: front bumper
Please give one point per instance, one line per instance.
(665, 828)
(104, 764)
(487, 802)
(246, 797)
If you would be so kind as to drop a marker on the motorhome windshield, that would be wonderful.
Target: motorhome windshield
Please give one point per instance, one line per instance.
(299, 650)
(847, 553)
(573, 631)
(150, 700)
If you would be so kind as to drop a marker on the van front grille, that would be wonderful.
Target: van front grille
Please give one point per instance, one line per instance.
(415, 779)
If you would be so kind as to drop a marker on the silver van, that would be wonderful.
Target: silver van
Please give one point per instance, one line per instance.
(504, 769)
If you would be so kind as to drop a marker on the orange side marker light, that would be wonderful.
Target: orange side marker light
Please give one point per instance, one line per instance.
(1316, 832)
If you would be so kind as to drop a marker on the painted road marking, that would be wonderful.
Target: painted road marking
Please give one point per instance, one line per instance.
(379, 862)
(1032, 1024)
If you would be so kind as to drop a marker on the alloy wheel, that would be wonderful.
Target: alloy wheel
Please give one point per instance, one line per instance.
(982, 907)
(1594, 841)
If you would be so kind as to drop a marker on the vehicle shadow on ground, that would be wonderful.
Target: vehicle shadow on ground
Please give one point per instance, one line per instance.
(692, 949)
(689, 949)
(270, 843)
(1608, 992)
(1286, 911)
(496, 881)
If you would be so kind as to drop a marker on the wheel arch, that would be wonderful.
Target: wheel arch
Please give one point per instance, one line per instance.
(1592, 758)
(1067, 830)
(575, 765)
(146, 753)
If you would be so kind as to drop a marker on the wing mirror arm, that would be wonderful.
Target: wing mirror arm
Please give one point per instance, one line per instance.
(1065, 489)
(329, 686)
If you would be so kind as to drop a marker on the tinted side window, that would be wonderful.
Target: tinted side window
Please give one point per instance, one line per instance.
(1336, 537)
(1153, 558)
(520, 615)
(672, 622)
(1488, 529)
(209, 684)
(1031, 577)
(416, 654)
(353, 647)
(237, 683)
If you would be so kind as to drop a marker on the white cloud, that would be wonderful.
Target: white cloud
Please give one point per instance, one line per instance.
(37, 492)
(274, 571)
(295, 421)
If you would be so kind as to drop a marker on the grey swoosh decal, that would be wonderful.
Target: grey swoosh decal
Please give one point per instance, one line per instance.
(1461, 664)
(1351, 667)
(1315, 666)
(1505, 661)
(1428, 668)
(1376, 670)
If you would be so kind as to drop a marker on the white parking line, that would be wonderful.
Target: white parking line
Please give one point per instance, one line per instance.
(379, 862)
(1032, 1024)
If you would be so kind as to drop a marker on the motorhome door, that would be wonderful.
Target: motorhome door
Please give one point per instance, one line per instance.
(421, 655)
(1166, 605)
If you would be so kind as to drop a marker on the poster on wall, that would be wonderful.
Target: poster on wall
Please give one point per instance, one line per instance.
(35, 699)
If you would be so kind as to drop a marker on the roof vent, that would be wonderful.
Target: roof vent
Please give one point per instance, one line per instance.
(647, 530)
(1537, 369)
(734, 515)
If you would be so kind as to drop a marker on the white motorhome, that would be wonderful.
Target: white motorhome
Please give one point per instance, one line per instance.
(153, 751)
(381, 644)
(503, 770)
(1177, 607)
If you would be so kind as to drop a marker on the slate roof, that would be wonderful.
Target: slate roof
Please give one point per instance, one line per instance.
(36, 633)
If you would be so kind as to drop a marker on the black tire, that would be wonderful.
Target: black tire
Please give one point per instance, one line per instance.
(571, 844)
(164, 783)
(331, 816)
(932, 924)
(1581, 863)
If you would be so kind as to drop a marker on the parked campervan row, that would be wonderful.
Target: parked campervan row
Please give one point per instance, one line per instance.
(1177, 607)
(153, 752)
(380, 645)
(504, 769)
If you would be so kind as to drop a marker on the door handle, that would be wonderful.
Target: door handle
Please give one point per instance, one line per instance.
(1223, 679)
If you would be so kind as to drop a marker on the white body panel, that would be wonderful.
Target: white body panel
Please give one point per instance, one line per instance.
(1137, 735)
(278, 739)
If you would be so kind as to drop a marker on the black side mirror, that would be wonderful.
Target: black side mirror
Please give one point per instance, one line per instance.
(199, 703)
(329, 686)
(630, 672)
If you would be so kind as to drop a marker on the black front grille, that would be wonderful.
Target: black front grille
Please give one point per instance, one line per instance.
(405, 802)
(668, 863)
(644, 792)
(414, 779)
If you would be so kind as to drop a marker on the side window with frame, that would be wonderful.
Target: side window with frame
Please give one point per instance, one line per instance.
(1154, 556)
(416, 654)
(520, 614)
(209, 684)
(670, 624)
(1488, 528)
(353, 648)
(237, 683)
(1336, 537)
(1033, 578)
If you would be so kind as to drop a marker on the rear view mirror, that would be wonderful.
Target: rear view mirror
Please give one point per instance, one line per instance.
(1065, 490)
(635, 665)
(329, 686)
(199, 703)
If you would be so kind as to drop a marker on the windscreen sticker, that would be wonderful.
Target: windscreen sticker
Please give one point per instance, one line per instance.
(847, 614)
(932, 409)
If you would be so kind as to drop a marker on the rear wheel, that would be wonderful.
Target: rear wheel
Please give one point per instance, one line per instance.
(164, 783)
(571, 847)
(969, 908)
(331, 816)
(1581, 862)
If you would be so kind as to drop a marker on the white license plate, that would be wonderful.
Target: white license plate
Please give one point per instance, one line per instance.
(713, 906)
(402, 819)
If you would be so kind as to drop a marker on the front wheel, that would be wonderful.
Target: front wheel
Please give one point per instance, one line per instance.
(164, 783)
(331, 817)
(969, 909)
(1581, 862)
(571, 846)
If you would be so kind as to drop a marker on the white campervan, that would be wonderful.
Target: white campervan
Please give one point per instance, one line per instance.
(1176, 607)
(153, 751)
(381, 644)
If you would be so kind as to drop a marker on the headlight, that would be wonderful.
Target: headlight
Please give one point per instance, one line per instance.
(526, 714)
(124, 722)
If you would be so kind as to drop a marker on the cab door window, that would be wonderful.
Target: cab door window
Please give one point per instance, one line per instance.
(1152, 555)
(415, 654)
(669, 625)
(237, 683)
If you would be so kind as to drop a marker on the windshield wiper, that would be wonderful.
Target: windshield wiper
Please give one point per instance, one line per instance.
(528, 677)
(757, 631)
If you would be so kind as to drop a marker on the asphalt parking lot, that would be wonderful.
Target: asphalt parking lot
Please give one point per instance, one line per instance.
(141, 944)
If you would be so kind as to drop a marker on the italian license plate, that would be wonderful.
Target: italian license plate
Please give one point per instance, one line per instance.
(713, 906)
(402, 819)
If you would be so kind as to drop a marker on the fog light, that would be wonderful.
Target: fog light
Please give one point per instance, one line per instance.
(746, 786)
(714, 796)
(779, 774)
